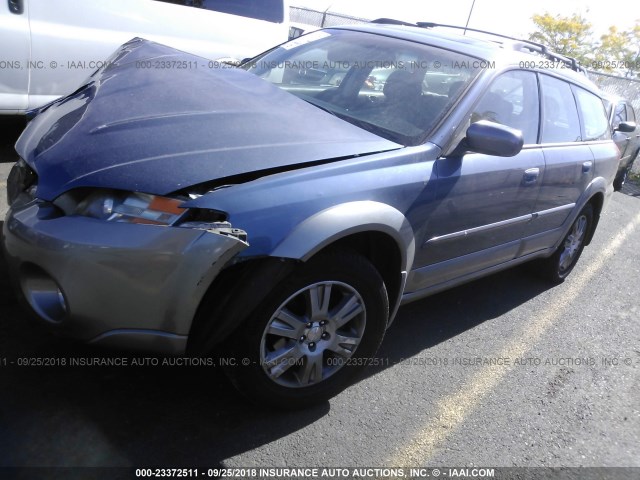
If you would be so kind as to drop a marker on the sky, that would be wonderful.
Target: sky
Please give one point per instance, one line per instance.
(509, 17)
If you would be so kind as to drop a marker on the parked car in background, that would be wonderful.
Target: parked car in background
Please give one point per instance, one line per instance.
(278, 214)
(626, 135)
(50, 47)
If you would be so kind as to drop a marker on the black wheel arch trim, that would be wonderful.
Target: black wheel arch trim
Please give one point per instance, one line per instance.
(232, 297)
(597, 194)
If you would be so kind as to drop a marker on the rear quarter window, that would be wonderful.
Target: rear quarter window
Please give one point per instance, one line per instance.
(594, 115)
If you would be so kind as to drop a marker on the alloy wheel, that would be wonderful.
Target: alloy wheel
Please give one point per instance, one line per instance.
(313, 334)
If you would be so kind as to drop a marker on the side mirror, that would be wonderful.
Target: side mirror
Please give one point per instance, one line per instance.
(626, 127)
(491, 138)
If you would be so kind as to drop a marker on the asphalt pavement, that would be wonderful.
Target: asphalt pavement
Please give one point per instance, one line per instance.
(507, 371)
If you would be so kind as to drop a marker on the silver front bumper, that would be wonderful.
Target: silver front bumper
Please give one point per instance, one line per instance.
(117, 284)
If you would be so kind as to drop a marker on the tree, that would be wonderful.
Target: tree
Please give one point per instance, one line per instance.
(569, 36)
(620, 51)
(617, 51)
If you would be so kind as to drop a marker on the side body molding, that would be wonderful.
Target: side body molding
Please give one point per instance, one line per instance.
(340, 221)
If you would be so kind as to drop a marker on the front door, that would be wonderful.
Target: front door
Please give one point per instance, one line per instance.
(483, 202)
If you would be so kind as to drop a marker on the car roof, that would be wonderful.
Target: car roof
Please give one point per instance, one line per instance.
(505, 52)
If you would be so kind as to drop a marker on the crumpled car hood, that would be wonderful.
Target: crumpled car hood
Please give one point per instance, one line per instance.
(158, 120)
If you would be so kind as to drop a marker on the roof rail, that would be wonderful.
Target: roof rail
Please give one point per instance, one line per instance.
(392, 21)
(519, 44)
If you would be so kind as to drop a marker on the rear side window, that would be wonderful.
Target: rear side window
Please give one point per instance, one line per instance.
(560, 117)
(269, 10)
(593, 114)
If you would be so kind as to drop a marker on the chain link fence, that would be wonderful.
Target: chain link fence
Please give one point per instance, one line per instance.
(624, 87)
(322, 19)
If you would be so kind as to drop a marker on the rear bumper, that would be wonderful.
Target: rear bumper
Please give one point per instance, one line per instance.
(115, 284)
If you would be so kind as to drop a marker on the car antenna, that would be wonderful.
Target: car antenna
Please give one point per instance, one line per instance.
(469, 17)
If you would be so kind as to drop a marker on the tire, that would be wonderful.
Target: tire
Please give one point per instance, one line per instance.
(315, 332)
(621, 177)
(559, 265)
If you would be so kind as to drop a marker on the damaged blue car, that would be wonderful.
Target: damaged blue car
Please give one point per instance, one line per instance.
(279, 213)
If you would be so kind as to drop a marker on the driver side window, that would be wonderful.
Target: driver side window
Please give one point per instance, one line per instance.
(512, 100)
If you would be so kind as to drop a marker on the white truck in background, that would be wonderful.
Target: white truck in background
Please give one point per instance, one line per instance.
(49, 47)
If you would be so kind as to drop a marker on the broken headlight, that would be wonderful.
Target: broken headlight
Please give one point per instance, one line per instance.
(119, 206)
(144, 208)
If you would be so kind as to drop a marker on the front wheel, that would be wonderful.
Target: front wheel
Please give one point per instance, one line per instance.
(559, 265)
(313, 335)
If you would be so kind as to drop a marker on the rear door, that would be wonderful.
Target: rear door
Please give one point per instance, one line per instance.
(569, 160)
(14, 55)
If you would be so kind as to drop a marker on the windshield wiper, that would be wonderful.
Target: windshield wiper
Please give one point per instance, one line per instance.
(318, 103)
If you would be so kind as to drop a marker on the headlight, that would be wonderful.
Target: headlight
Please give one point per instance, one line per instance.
(144, 208)
(113, 206)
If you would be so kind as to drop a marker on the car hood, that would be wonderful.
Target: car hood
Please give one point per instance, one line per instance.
(158, 120)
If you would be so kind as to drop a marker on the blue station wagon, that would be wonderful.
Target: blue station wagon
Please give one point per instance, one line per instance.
(278, 214)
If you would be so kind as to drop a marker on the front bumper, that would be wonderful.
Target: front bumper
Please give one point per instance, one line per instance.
(117, 284)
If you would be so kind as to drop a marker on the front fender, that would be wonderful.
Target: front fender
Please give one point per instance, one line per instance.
(340, 221)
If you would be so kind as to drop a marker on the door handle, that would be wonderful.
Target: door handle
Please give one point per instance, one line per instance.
(586, 167)
(16, 6)
(530, 176)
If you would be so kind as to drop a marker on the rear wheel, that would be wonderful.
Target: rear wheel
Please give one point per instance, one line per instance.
(313, 335)
(559, 265)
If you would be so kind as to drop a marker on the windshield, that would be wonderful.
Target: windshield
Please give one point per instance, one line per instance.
(394, 88)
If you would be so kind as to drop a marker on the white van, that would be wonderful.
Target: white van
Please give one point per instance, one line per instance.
(49, 47)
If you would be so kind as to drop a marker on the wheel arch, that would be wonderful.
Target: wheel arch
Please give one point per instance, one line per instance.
(353, 219)
(368, 228)
(597, 202)
(384, 253)
(377, 231)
